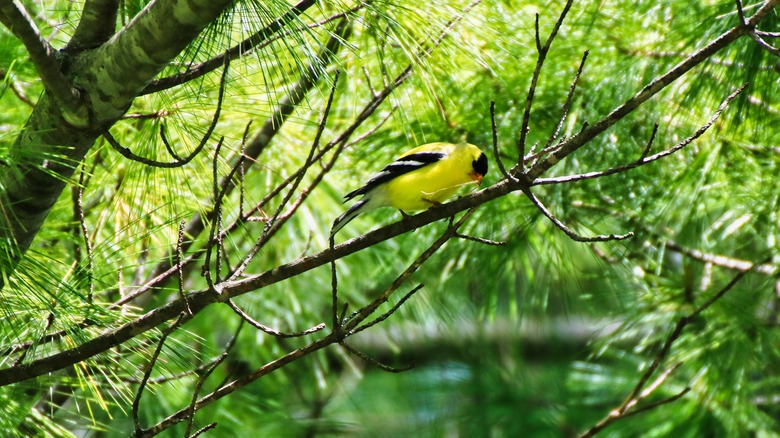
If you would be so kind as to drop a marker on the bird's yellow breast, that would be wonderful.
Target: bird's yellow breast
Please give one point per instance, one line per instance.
(430, 185)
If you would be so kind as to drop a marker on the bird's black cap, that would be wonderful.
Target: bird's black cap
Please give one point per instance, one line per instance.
(480, 165)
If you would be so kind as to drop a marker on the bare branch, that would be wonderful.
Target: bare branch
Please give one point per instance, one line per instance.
(387, 314)
(85, 233)
(150, 368)
(179, 267)
(196, 392)
(204, 429)
(723, 261)
(269, 330)
(496, 155)
(765, 45)
(373, 361)
(644, 159)
(651, 406)
(572, 235)
(649, 143)
(542, 55)
(481, 240)
(125, 152)
(567, 103)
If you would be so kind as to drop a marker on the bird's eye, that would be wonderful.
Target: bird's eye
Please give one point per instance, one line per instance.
(480, 165)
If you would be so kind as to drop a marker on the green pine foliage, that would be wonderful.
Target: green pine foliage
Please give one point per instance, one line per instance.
(539, 336)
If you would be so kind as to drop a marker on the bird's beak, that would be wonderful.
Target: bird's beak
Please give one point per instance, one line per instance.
(476, 177)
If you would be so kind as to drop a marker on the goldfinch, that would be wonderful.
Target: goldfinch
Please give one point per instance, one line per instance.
(425, 176)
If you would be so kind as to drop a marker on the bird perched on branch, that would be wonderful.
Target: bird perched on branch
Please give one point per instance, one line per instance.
(425, 176)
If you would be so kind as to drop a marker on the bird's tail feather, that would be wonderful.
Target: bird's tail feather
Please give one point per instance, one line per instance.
(356, 209)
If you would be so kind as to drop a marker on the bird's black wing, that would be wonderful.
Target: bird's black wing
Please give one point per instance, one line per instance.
(397, 168)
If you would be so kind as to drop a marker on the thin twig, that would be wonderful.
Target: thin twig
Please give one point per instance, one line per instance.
(150, 368)
(269, 330)
(204, 429)
(644, 159)
(542, 55)
(127, 153)
(387, 314)
(572, 235)
(373, 361)
(179, 268)
(85, 232)
(496, 155)
(196, 392)
(567, 103)
(216, 223)
(481, 240)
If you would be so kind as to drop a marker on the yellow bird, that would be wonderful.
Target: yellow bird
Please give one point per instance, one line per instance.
(425, 176)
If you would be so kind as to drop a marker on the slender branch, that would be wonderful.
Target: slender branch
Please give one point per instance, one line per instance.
(204, 429)
(387, 314)
(567, 103)
(651, 406)
(481, 240)
(757, 35)
(85, 232)
(496, 154)
(196, 392)
(125, 152)
(179, 267)
(15, 17)
(765, 45)
(373, 361)
(572, 235)
(150, 368)
(723, 261)
(542, 55)
(269, 330)
(644, 159)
